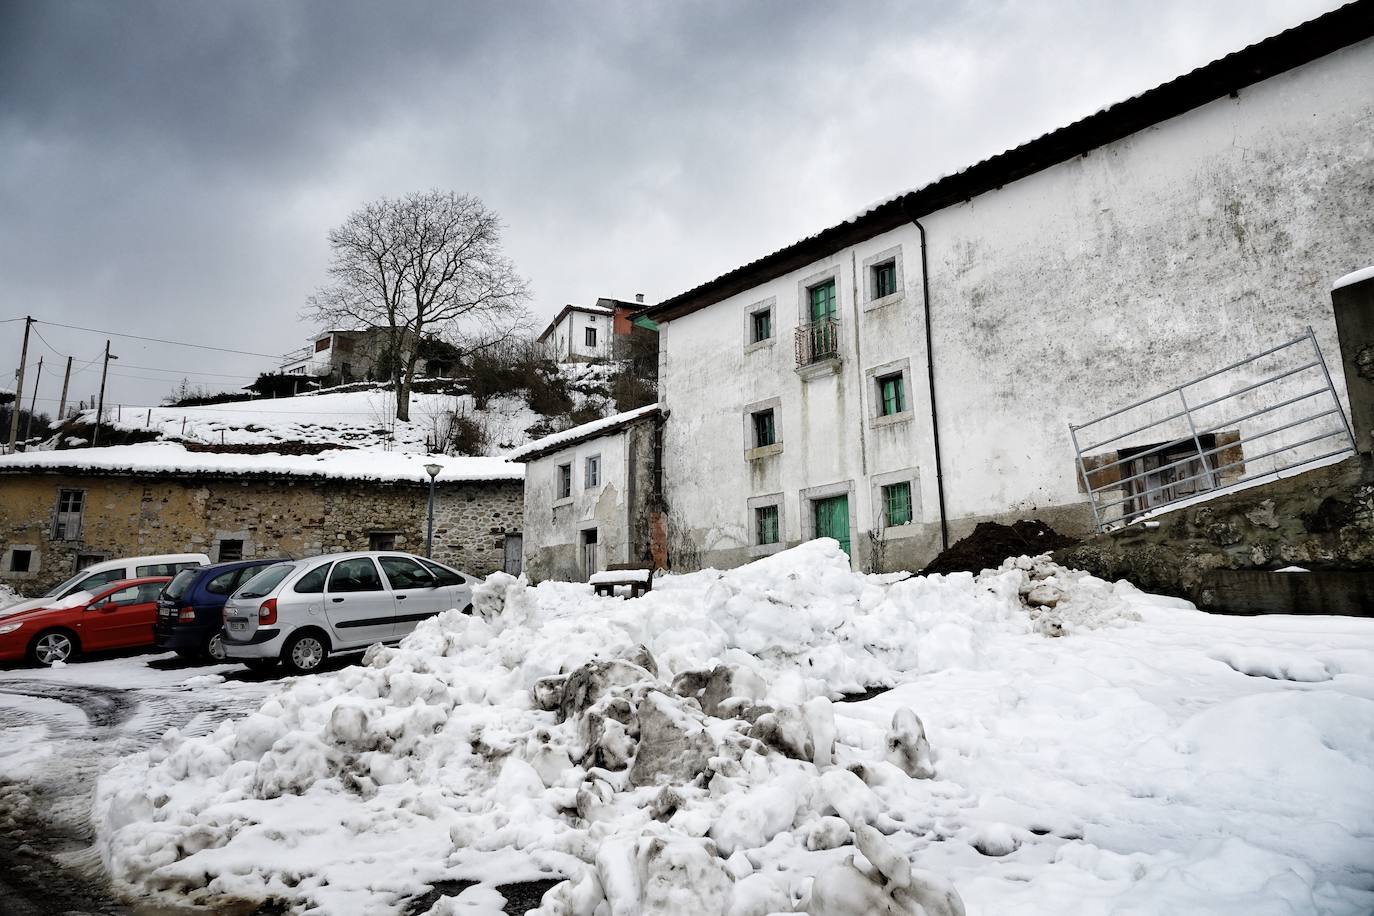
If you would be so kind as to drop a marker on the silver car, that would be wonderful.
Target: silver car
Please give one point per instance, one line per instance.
(300, 612)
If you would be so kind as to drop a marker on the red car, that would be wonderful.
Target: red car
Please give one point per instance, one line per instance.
(115, 616)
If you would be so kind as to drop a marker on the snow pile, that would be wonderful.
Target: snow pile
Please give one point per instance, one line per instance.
(9, 596)
(681, 754)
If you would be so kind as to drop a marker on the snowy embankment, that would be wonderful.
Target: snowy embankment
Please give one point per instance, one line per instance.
(681, 753)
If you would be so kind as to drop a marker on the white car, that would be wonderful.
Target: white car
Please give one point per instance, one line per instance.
(300, 612)
(96, 575)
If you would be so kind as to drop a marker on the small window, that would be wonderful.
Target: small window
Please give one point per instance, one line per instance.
(403, 572)
(822, 301)
(892, 395)
(591, 337)
(312, 583)
(321, 345)
(230, 549)
(381, 540)
(884, 279)
(897, 503)
(761, 326)
(67, 523)
(223, 584)
(356, 575)
(594, 471)
(20, 560)
(564, 481)
(445, 575)
(764, 431)
(766, 524)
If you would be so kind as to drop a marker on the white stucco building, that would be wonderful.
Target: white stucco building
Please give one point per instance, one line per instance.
(590, 495)
(587, 333)
(900, 377)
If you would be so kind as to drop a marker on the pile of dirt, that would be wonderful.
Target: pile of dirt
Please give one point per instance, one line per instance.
(991, 543)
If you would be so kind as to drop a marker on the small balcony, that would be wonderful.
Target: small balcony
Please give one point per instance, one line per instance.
(818, 347)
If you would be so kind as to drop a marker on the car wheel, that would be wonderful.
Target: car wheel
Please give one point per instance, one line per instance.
(261, 664)
(305, 652)
(52, 646)
(213, 648)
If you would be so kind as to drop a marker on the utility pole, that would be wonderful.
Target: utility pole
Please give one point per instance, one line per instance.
(19, 385)
(62, 406)
(33, 399)
(100, 408)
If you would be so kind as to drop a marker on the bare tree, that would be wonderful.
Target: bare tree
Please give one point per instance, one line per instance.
(427, 264)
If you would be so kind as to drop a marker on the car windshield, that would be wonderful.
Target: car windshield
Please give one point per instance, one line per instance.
(179, 586)
(264, 582)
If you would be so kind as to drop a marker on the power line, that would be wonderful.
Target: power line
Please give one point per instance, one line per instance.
(188, 371)
(175, 343)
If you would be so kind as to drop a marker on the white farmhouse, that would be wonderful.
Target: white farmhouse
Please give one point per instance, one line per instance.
(897, 378)
(587, 333)
(592, 496)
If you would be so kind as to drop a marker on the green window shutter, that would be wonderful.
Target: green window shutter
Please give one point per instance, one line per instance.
(764, 433)
(823, 301)
(898, 500)
(893, 395)
(766, 520)
(763, 326)
(884, 279)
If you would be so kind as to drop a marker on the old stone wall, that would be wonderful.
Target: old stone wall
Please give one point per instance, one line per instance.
(132, 516)
(1321, 520)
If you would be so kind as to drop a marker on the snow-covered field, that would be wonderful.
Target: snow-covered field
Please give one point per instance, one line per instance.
(361, 419)
(1091, 749)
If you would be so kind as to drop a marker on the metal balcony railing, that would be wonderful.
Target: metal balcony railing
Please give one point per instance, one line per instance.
(817, 342)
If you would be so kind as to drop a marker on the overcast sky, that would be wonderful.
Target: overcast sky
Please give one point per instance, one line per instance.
(172, 169)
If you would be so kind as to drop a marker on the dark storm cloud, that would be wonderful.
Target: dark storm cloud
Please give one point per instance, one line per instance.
(172, 168)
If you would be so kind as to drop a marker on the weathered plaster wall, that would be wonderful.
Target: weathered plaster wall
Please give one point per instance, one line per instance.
(554, 526)
(1058, 297)
(132, 516)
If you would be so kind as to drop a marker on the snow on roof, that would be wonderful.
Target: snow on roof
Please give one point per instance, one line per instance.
(1349, 279)
(343, 464)
(580, 433)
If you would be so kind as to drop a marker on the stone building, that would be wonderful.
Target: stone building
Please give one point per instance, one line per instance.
(895, 379)
(591, 496)
(63, 510)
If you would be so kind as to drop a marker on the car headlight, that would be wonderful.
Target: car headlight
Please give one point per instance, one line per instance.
(10, 627)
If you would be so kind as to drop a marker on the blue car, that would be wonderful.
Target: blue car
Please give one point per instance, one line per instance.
(190, 610)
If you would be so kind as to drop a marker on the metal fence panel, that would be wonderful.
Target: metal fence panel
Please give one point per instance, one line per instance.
(1271, 412)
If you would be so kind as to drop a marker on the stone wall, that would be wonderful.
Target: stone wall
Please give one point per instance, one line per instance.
(132, 516)
(1321, 520)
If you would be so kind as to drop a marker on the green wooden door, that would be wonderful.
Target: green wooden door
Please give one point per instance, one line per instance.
(832, 519)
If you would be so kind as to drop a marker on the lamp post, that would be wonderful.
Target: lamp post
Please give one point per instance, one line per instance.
(433, 471)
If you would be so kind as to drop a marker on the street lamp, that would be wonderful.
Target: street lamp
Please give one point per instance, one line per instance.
(433, 471)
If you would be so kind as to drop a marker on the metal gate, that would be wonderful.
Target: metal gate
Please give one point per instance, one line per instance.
(1283, 396)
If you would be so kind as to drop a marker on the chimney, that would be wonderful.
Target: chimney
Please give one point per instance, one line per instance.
(639, 297)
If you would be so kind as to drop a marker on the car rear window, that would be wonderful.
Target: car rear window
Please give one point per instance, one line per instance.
(265, 582)
(180, 585)
(312, 583)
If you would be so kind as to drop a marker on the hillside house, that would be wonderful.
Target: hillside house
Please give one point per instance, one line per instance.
(338, 357)
(591, 495)
(63, 510)
(587, 333)
(895, 379)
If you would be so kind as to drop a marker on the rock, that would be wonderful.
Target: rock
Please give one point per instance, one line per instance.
(1044, 595)
(589, 683)
(726, 681)
(907, 747)
(1262, 516)
(673, 745)
(785, 730)
(642, 657)
(827, 833)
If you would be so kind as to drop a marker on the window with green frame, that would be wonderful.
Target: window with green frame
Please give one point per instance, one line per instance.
(766, 524)
(891, 394)
(897, 503)
(822, 298)
(884, 279)
(762, 325)
(764, 431)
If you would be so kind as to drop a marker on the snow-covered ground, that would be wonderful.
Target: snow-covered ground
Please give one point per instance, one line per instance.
(1091, 749)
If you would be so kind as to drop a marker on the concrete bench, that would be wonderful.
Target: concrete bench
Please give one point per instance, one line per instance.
(638, 576)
